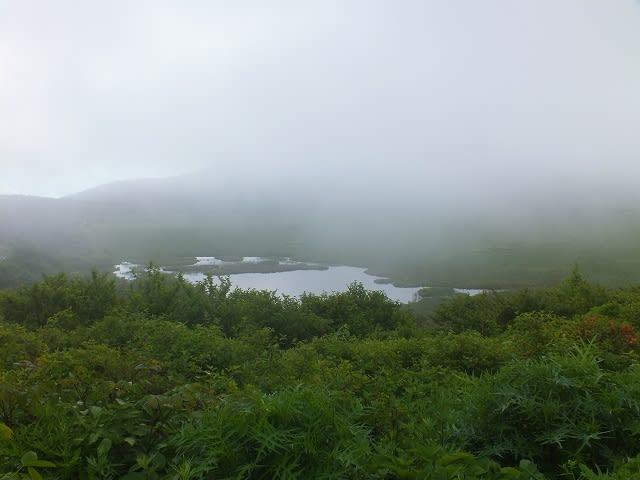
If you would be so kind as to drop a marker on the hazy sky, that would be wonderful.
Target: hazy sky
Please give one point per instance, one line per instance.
(531, 94)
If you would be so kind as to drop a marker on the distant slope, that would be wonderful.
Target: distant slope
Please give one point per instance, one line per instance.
(36, 219)
(151, 219)
(414, 241)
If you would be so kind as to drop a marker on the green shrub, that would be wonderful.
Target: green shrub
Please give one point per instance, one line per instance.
(469, 352)
(556, 409)
(296, 433)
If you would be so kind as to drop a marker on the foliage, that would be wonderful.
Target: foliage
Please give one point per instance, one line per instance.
(361, 311)
(166, 379)
(469, 352)
(615, 336)
(534, 334)
(554, 410)
(295, 433)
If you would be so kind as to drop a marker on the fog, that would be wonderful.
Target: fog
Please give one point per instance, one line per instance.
(364, 132)
(458, 98)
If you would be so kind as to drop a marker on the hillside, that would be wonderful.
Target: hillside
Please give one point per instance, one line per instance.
(174, 219)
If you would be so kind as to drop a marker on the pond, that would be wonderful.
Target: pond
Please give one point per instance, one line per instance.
(294, 282)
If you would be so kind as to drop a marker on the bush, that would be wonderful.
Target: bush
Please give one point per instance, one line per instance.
(469, 352)
(556, 409)
(295, 433)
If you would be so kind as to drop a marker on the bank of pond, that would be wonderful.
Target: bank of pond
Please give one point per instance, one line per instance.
(287, 276)
(282, 275)
(162, 378)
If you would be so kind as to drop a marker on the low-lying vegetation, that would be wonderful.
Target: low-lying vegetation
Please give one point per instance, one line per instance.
(162, 379)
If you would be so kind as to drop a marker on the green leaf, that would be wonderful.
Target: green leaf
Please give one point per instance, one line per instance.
(459, 457)
(134, 476)
(104, 447)
(6, 434)
(33, 474)
(44, 464)
(159, 461)
(28, 458)
(510, 472)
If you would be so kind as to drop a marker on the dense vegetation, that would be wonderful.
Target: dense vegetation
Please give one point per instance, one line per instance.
(159, 378)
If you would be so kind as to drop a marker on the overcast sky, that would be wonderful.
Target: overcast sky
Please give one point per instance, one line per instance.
(528, 93)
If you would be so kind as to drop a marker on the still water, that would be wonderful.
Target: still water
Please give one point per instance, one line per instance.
(296, 282)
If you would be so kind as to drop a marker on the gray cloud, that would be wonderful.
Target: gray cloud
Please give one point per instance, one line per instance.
(424, 95)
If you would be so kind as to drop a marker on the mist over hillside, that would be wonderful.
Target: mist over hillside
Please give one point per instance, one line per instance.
(427, 238)
(469, 143)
